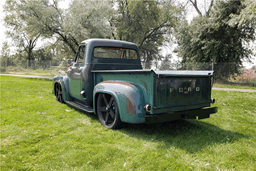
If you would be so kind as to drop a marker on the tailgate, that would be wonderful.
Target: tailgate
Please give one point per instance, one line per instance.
(177, 89)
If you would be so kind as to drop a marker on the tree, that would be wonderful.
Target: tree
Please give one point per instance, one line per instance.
(5, 51)
(22, 38)
(166, 63)
(83, 20)
(66, 28)
(47, 18)
(214, 39)
(246, 19)
(89, 19)
(5, 54)
(207, 7)
(147, 24)
(247, 16)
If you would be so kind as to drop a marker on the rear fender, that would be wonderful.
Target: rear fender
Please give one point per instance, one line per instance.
(129, 97)
(64, 82)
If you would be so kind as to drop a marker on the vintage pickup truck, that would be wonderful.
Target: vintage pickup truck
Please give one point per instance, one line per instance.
(107, 79)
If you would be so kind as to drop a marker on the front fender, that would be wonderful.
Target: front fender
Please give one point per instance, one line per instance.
(64, 82)
(129, 96)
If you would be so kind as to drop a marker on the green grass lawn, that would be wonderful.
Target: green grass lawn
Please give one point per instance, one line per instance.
(236, 85)
(38, 133)
(48, 75)
(233, 86)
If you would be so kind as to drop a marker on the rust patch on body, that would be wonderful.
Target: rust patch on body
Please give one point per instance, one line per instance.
(130, 105)
(118, 82)
(130, 108)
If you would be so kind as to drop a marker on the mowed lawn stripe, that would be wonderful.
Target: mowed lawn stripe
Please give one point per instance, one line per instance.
(38, 133)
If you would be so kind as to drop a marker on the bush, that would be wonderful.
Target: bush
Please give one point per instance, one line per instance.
(246, 76)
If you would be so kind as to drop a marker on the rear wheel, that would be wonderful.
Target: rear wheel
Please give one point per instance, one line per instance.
(107, 110)
(58, 93)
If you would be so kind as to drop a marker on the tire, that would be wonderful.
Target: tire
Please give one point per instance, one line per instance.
(108, 113)
(58, 93)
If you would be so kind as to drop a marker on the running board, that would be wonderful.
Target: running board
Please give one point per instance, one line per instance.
(80, 106)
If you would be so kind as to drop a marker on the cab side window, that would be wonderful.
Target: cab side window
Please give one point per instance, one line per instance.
(80, 54)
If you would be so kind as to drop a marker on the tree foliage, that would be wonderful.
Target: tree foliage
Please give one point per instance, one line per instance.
(218, 34)
(146, 23)
(5, 53)
(23, 39)
(166, 63)
(246, 19)
(65, 28)
(215, 39)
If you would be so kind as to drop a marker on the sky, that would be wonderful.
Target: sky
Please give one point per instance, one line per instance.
(65, 3)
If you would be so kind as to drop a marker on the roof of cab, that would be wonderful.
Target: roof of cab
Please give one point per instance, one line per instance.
(109, 43)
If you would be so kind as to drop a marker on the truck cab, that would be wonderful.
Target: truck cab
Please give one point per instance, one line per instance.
(107, 79)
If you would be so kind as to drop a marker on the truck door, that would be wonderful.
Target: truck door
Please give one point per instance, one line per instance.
(75, 74)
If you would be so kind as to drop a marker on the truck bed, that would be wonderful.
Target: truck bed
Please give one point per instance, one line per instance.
(166, 91)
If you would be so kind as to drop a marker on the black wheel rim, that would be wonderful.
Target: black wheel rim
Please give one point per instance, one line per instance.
(107, 109)
(59, 93)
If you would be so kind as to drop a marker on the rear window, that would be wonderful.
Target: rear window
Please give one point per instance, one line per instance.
(115, 53)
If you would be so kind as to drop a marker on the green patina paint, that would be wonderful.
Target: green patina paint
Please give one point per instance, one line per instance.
(131, 86)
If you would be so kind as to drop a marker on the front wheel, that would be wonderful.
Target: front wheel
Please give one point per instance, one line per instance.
(108, 113)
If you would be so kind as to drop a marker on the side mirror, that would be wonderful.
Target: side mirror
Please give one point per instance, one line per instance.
(69, 61)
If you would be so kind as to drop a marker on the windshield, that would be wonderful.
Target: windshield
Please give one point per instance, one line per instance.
(116, 53)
